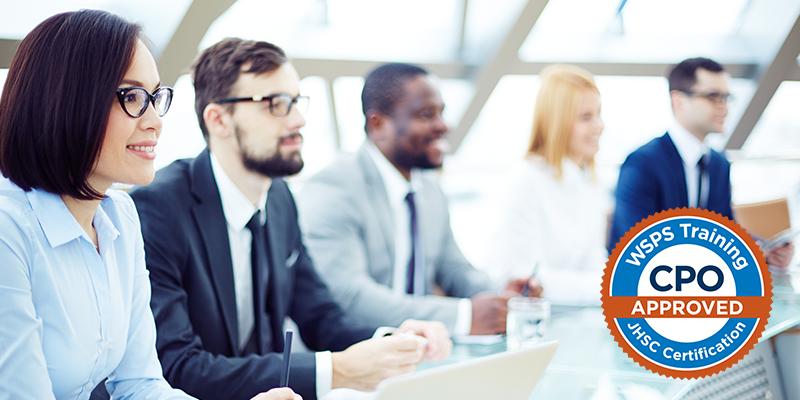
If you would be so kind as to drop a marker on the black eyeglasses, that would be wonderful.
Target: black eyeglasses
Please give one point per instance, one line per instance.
(135, 100)
(714, 97)
(280, 104)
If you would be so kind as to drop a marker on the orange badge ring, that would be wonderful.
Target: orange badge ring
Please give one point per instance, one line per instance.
(686, 293)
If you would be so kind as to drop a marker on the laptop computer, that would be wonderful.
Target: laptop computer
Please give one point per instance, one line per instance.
(510, 375)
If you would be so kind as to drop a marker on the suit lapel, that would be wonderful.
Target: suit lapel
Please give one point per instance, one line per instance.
(378, 200)
(678, 178)
(210, 221)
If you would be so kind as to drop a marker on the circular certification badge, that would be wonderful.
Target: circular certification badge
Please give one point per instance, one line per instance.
(686, 293)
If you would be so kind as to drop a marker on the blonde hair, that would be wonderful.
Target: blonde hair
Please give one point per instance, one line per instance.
(556, 111)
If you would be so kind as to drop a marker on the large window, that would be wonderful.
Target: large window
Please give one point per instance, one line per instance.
(769, 163)
(615, 35)
(157, 18)
(658, 31)
(347, 29)
(778, 130)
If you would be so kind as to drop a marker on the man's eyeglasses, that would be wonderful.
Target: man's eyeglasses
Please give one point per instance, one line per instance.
(280, 104)
(135, 100)
(714, 97)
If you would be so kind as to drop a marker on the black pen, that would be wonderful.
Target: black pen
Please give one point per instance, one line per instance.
(287, 359)
(527, 286)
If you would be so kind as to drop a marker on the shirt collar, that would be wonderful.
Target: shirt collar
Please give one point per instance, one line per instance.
(237, 208)
(397, 187)
(106, 231)
(689, 146)
(58, 223)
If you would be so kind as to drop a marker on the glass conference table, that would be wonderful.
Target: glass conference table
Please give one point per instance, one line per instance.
(589, 365)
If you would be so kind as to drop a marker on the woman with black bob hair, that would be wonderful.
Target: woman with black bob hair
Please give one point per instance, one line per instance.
(81, 109)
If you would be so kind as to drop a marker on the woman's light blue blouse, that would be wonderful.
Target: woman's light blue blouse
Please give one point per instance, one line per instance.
(71, 315)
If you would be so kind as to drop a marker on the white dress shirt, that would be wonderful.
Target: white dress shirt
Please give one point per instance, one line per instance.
(238, 210)
(690, 149)
(558, 224)
(397, 187)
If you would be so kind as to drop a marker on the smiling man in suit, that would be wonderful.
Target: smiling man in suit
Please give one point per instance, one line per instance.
(377, 223)
(678, 169)
(226, 257)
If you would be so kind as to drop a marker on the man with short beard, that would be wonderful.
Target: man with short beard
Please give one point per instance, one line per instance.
(378, 226)
(226, 258)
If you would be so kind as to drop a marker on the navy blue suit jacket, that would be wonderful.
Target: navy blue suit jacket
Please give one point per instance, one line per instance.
(193, 301)
(652, 179)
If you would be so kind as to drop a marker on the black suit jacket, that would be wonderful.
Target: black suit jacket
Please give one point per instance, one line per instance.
(193, 299)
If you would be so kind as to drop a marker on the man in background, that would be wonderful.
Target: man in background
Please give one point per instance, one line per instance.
(678, 169)
(377, 223)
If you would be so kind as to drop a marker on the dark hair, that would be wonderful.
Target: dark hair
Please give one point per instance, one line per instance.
(383, 87)
(684, 75)
(57, 99)
(218, 67)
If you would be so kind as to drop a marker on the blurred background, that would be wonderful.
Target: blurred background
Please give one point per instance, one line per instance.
(487, 54)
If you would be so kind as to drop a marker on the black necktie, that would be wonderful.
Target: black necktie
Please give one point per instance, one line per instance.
(701, 174)
(415, 260)
(260, 268)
